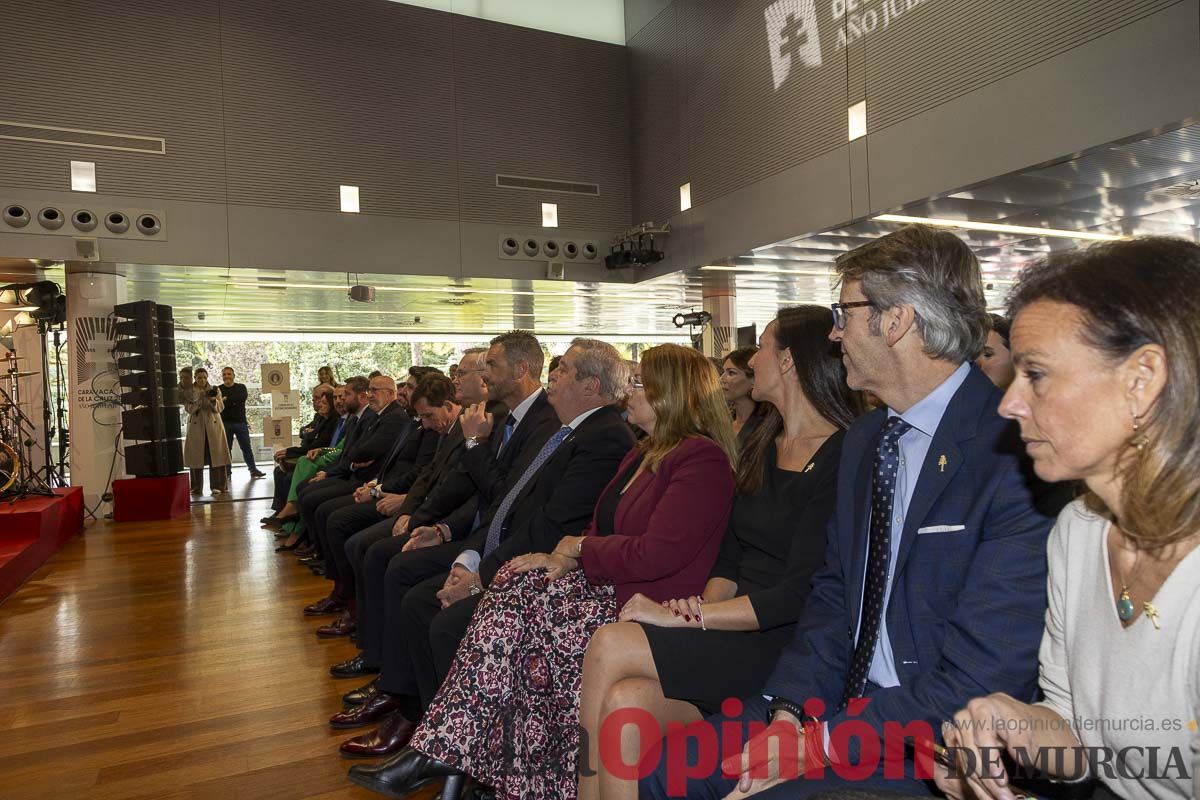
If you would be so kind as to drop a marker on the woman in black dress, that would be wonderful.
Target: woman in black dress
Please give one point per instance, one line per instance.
(681, 659)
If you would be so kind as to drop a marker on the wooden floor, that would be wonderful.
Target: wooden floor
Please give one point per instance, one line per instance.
(170, 660)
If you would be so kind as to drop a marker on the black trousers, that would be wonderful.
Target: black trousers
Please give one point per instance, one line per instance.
(431, 634)
(312, 495)
(341, 523)
(283, 482)
(405, 571)
(369, 552)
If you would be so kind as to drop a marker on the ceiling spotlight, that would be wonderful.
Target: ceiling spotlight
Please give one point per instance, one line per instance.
(692, 318)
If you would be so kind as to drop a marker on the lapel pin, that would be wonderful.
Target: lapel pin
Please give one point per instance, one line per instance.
(809, 468)
(942, 462)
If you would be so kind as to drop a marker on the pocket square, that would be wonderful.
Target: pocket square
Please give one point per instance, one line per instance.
(941, 529)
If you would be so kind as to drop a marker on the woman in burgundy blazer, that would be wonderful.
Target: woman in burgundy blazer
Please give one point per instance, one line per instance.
(667, 528)
(508, 711)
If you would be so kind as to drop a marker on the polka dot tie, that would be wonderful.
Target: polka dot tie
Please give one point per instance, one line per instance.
(879, 550)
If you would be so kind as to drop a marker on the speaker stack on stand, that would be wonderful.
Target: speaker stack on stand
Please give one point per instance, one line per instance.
(145, 347)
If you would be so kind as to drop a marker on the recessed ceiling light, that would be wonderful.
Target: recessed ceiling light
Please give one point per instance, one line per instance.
(83, 176)
(857, 119)
(549, 215)
(685, 196)
(349, 199)
(995, 227)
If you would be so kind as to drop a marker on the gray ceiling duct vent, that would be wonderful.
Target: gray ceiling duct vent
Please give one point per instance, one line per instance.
(1186, 189)
(75, 137)
(547, 185)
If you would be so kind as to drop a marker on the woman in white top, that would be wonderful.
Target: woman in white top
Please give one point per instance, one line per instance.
(1107, 348)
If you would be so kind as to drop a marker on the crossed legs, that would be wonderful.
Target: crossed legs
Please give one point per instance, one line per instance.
(619, 672)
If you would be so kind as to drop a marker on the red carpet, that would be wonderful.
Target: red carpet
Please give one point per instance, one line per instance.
(32, 530)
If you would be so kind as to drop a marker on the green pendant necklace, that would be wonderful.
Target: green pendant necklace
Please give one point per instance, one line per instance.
(1125, 602)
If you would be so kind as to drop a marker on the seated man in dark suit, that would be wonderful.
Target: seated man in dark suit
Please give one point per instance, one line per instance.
(510, 379)
(437, 410)
(368, 443)
(549, 492)
(934, 584)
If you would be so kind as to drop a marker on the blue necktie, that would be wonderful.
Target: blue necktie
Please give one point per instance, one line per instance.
(337, 432)
(493, 534)
(879, 551)
(509, 425)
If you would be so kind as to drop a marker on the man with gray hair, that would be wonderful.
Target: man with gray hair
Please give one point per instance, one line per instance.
(550, 492)
(934, 584)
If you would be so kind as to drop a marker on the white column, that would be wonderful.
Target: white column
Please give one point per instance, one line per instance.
(95, 402)
(720, 300)
(27, 345)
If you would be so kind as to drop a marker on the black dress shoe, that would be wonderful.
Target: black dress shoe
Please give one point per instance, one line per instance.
(309, 560)
(354, 668)
(356, 697)
(371, 712)
(258, 474)
(409, 771)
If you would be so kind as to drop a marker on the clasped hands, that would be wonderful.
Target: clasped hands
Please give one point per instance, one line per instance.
(564, 559)
(683, 612)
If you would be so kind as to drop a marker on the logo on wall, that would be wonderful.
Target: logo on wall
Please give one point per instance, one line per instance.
(95, 371)
(792, 33)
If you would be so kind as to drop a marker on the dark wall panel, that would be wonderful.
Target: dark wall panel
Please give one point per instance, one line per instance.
(144, 70)
(942, 49)
(321, 93)
(657, 109)
(540, 105)
(742, 129)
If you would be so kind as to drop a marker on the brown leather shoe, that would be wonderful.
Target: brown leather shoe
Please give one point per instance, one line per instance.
(325, 606)
(369, 713)
(391, 736)
(342, 626)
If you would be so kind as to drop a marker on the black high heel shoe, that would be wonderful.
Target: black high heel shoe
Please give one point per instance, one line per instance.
(407, 772)
(285, 547)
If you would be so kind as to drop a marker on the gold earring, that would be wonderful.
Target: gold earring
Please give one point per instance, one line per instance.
(1139, 440)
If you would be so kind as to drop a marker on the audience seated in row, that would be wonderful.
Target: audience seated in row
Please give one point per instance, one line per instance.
(540, 575)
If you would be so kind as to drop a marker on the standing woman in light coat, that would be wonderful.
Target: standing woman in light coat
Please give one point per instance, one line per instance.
(205, 443)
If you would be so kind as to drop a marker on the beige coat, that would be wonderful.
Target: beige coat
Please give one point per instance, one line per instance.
(204, 418)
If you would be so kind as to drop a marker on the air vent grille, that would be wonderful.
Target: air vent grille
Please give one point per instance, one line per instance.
(73, 137)
(547, 185)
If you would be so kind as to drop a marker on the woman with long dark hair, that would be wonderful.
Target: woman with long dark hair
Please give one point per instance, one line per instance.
(737, 384)
(680, 659)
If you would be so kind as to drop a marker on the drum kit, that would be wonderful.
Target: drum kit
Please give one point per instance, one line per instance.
(18, 477)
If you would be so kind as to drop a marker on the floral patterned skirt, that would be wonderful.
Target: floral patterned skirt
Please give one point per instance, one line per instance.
(508, 712)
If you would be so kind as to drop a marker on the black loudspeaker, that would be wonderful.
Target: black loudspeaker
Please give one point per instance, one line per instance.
(146, 363)
(154, 459)
(140, 423)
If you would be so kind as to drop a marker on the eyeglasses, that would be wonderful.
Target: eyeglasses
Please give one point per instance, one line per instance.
(839, 312)
(635, 382)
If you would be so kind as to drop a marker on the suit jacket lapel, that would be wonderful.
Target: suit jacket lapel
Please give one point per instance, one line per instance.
(944, 458)
(942, 462)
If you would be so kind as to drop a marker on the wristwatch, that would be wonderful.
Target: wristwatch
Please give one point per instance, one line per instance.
(783, 704)
(472, 441)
